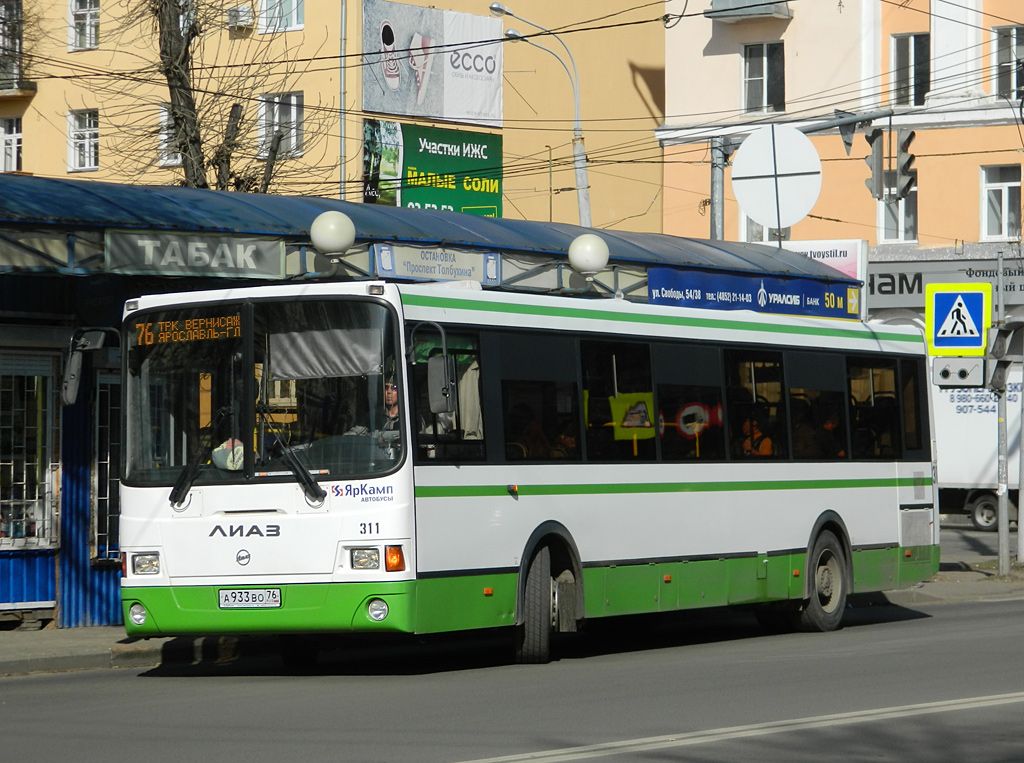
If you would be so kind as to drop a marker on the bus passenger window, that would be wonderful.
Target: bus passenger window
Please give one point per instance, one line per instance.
(692, 423)
(457, 436)
(874, 409)
(619, 397)
(540, 419)
(756, 411)
(818, 432)
(688, 381)
(913, 424)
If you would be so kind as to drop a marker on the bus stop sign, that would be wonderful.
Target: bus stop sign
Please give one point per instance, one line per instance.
(957, 318)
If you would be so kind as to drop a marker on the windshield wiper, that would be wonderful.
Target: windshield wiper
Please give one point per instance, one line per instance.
(310, 487)
(188, 475)
(184, 483)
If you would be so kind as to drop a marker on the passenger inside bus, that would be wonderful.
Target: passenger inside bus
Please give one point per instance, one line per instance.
(755, 441)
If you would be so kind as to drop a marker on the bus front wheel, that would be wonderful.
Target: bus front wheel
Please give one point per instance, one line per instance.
(823, 611)
(533, 634)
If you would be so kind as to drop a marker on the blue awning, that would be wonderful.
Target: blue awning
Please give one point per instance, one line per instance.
(70, 205)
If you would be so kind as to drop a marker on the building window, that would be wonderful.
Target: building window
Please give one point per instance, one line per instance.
(85, 24)
(10, 44)
(1001, 202)
(911, 68)
(10, 135)
(280, 15)
(84, 139)
(898, 216)
(281, 113)
(764, 77)
(170, 156)
(29, 452)
(106, 506)
(1010, 61)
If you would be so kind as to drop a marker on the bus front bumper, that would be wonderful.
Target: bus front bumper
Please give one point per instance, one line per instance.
(306, 608)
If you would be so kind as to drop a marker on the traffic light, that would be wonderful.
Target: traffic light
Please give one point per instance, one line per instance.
(875, 160)
(904, 163)
(1006, 347)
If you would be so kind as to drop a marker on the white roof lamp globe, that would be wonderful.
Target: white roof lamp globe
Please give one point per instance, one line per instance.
(332, 233)
(588, 255)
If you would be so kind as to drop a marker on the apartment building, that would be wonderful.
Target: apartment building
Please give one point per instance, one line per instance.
(83, 94)
(944, 77)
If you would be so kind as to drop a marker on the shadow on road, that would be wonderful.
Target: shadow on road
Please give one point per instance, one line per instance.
(424, 655)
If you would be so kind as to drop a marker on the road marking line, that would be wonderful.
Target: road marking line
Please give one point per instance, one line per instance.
(753, 730)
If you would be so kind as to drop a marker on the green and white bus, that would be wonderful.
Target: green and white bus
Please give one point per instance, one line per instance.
(551, 460)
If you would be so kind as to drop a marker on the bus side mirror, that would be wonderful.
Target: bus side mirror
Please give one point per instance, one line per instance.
(83, 340)
(441, 383)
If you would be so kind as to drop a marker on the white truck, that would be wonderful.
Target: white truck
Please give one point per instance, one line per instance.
(966, 448)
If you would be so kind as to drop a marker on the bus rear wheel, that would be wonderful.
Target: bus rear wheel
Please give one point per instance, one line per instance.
(823, 611)
(533, 634)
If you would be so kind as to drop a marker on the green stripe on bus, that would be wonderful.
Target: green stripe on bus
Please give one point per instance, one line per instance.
(480, 491)
(488, 599)
(682, 320)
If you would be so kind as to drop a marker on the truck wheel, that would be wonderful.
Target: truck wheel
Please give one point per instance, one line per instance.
(984, 512)
(533, 635)
(823, 611)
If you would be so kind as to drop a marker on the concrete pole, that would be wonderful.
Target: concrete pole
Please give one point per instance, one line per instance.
(718, 189)
(1020, 473)
(1004, 510)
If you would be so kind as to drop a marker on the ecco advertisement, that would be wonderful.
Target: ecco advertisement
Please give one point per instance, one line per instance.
(426, 62)
(763, 294)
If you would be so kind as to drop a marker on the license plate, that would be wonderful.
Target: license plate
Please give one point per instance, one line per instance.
(245, 598)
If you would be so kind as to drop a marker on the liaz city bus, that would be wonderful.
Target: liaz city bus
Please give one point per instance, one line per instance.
(370, 457)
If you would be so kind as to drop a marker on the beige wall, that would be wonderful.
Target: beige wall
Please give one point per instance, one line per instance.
(621, 71)
(956, 135)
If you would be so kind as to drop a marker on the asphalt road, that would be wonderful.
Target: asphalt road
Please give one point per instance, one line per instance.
(962, 544)
(895, 684)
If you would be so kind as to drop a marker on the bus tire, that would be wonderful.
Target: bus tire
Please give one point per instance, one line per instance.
(533, 634)
(823, 611)
(984, 512)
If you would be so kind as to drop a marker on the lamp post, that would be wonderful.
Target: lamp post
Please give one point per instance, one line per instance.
(578, 151)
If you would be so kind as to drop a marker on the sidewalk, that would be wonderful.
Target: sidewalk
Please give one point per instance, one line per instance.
(55, 650)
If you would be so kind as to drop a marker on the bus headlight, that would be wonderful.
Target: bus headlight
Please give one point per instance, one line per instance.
(146, 564)
(377, 609)
(365, 559)
(137, 614)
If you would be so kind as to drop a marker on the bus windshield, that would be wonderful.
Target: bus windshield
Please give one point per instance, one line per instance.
(229, 393)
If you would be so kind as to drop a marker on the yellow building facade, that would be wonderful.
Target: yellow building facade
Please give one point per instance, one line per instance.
(84, 95)
(950, 72)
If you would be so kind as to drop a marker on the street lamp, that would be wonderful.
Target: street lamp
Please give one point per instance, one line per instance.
(578, 151)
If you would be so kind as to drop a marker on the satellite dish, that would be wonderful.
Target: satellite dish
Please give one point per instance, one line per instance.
(776, 176)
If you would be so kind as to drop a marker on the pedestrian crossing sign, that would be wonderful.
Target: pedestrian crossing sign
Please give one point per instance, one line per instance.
(957, 318)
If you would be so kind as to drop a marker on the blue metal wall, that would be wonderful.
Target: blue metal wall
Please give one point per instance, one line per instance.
(87, 594)
(27, 576)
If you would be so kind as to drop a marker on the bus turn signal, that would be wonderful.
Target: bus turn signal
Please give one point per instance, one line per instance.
(394, 559)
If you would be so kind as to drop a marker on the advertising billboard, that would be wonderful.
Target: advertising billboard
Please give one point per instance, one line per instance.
(431, 168)
(764, 294)
(425, 62)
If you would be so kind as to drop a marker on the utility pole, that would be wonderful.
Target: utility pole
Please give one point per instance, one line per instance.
(718, 160)
(1003, 516)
